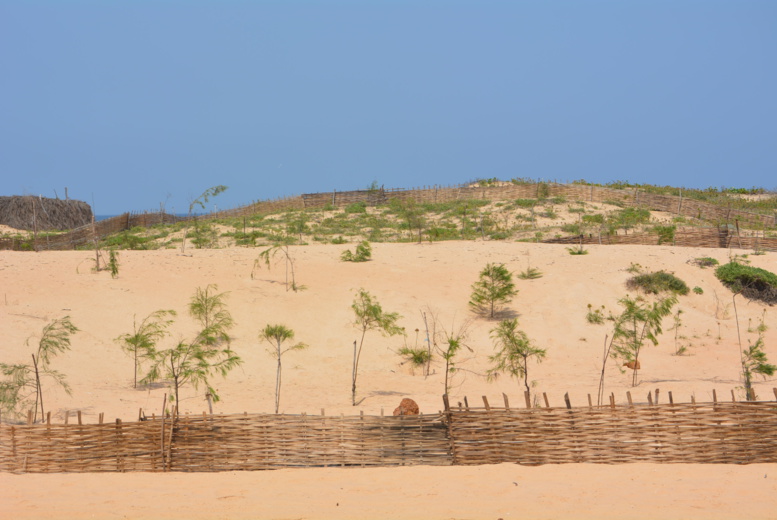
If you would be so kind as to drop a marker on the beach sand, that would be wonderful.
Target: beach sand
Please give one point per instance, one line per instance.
(411, 279)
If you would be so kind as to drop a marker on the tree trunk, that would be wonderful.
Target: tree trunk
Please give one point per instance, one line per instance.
(38, 391)
(278, 382)
(353, 373)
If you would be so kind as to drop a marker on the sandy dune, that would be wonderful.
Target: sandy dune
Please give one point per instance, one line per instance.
(409, 279)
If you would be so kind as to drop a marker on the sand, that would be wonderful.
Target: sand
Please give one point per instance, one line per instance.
(410, 279)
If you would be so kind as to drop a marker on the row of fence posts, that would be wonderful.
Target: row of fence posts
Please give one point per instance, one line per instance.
(652, 399)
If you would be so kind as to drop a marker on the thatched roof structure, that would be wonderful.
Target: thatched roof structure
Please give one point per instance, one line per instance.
(40, 213)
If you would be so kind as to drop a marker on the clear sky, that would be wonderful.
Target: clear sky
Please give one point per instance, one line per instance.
(133, 104)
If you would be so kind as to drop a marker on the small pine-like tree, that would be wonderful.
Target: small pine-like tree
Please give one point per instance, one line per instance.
(191, 363)
(515, 351)
(276, 335)
(210, 309)
(199, 201)
(369, 315)
(493, 289)
(113, 263)
(449, 346)
(640, 320)
(754, 361)
(22, 385)
(142, 342)
(268, 254)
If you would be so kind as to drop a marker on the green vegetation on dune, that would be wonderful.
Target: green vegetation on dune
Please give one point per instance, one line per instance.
(541, 213)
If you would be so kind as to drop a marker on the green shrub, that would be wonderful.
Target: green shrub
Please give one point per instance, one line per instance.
(549, 213)
(362, 254)
(531, 273)
(499, 235)
(698, 290)
(753, 283)
(657, 282)
(705, 261)
(629, 217)
(665, 234)
(127, 240)
(417, 357)
(572, 229)
(443, 232)
(593, 219)
(524, 203)
(595, 316)
(634, 268)
(356, 207)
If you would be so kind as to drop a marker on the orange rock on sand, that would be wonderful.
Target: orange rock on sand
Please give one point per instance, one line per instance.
(407, 407)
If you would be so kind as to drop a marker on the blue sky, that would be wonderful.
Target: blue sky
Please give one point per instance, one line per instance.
(133, 104)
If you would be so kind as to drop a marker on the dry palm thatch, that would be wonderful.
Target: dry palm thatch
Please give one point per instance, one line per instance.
(41, 214)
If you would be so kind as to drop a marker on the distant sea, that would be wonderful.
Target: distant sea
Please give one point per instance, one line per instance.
(103, 217)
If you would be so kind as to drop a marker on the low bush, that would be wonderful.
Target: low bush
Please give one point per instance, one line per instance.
(753, 283)
(356, 207)
(572, 229)
(524, 203)
(128, 240)
(593, 219)
(443, 232)
(362, 254)
(657, 282)
(665, 234)
(704, 261)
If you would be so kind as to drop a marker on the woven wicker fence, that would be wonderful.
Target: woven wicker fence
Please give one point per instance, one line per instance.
(692, 237)
(226, 443)
(717, 432)
(733, 433)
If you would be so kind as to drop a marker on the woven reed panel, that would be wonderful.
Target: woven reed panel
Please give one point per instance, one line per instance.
(735, 433)
(121, 447)
(255, 442)
(226, 443)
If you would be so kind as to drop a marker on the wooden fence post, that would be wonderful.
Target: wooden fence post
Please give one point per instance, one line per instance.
(117, 445)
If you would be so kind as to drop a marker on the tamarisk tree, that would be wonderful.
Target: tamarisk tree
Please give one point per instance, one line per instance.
(191, 363)
(199, 201)
(210, 309)
(369, 315)
(640, 320)
(515, 351)
(144, 337)
(22, 384)
(276, 335)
